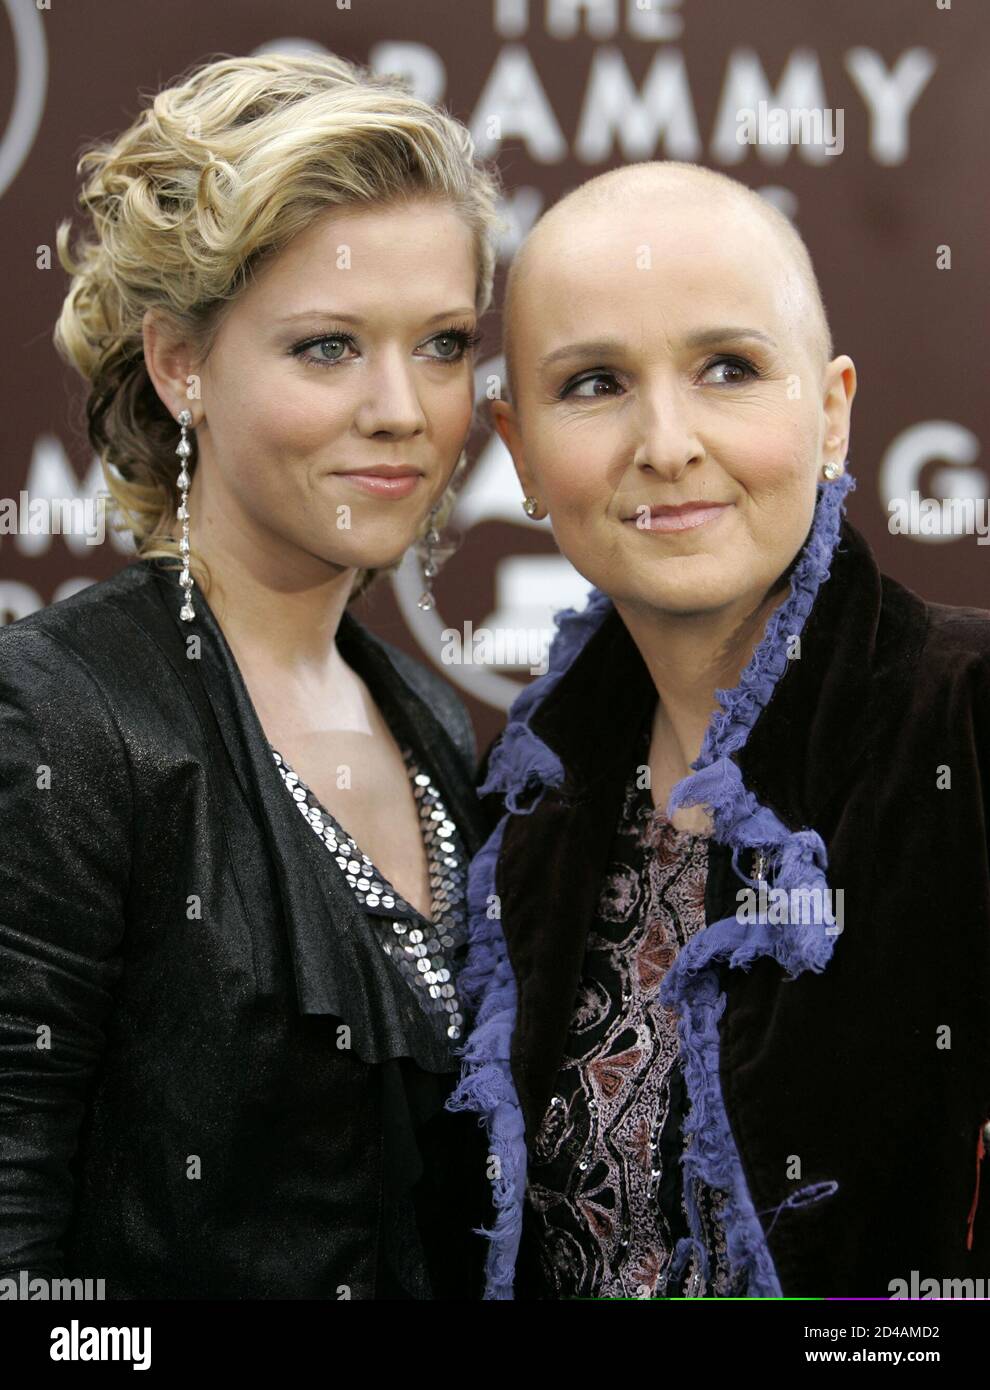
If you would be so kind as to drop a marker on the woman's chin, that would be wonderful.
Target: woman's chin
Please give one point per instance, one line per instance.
(378, 556)
(699, 589)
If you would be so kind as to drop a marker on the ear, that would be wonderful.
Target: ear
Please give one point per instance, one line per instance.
(170, 364)
(837, 399)
(506, 423)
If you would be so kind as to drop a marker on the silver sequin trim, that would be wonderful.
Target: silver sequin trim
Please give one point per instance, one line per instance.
(420, 948)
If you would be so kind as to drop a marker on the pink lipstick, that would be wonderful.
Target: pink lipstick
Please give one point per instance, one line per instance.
(390, 485)
(688, 516)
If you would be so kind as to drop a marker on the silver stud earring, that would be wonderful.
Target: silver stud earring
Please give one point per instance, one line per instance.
(530, 505)
(184, 450)
(434, 552)
(832, 470)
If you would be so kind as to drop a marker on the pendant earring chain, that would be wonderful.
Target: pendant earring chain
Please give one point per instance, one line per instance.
(426, 599)
(434, 550)
(184, 450)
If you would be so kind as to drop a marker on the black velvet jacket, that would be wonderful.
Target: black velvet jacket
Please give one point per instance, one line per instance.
(875, 1072)
(177, 1115)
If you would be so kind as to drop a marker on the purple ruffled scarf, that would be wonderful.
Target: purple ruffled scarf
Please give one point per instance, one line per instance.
(522, 766)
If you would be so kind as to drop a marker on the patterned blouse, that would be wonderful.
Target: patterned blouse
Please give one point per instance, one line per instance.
(605, 1187)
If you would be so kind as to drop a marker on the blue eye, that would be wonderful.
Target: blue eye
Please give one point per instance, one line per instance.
(452, 343)
(300, 350)
(458, 341)
(455, 342)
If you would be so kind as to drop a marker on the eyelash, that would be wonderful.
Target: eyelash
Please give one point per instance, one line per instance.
(713, 362)
(466, 339)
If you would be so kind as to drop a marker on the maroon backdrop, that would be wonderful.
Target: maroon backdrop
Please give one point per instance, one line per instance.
(896, 221)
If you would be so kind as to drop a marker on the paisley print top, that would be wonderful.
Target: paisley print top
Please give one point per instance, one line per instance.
(605, 1191)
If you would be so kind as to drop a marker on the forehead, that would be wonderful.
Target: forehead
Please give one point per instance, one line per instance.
(425, 247)
(662, 265)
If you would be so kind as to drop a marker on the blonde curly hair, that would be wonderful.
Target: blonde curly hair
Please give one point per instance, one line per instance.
(223, 168)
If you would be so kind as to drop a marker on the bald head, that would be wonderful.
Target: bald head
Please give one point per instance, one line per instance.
(673, 184)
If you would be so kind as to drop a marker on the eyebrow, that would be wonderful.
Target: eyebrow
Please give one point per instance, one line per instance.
(322, 313)
(705, 337)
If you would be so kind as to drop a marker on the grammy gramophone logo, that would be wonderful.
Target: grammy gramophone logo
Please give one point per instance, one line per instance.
(26, 26)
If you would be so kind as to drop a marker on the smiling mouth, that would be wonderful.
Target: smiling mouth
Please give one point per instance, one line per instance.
(393, 485)
(688, 516)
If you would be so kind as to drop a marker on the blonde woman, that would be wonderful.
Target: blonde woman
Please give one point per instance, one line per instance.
(236, 824)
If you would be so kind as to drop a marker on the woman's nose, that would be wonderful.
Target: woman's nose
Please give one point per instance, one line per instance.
(668, 441)
(391, 404)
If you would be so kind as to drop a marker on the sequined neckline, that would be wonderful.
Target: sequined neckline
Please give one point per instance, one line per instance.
(421, 948)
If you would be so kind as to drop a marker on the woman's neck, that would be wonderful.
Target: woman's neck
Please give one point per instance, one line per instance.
(278, 606)
(689, 657)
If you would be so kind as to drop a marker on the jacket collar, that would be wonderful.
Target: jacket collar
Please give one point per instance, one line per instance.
(328, 969)
(607, 689)
(800, 755)
(813, 734)
(810, 735)
(794, 725)
(405, 710)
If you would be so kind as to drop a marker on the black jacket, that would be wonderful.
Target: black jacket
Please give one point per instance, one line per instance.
(176, 1114)
(875, 1073)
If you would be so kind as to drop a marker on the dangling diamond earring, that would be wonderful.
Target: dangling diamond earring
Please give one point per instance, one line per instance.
(433, 554)
(184, 450)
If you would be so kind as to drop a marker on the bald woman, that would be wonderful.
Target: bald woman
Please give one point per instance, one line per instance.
(731, 929)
